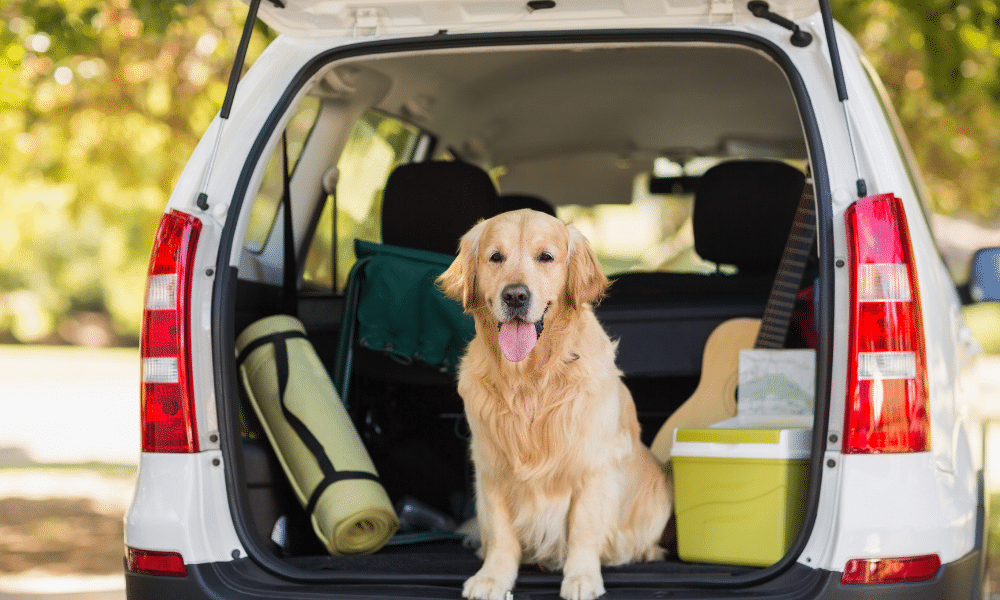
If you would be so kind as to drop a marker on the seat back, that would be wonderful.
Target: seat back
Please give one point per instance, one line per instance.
(743, 211)
(430, 205)
(393, 306)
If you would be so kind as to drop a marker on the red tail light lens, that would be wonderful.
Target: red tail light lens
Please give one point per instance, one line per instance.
(168, 420)
(151, 562)
(887, 389)
(890, 570)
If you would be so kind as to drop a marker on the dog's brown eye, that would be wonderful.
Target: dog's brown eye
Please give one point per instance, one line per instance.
(545, 257)
(496, 257)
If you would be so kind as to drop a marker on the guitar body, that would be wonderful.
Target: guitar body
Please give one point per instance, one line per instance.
(714, 399)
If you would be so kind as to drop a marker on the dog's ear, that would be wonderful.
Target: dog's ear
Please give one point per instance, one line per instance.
(458, 282)
(585, 282)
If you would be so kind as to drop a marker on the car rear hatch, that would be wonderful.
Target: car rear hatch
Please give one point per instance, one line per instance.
(367, 21)
(334, 19)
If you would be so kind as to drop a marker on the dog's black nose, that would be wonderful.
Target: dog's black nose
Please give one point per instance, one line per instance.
(515, 295)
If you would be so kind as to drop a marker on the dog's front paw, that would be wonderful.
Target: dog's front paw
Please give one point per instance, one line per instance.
(585, 586)
(484, 586)
(652, 554)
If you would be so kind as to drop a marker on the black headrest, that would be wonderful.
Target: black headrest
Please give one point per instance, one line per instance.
(430, 205)
(743, 211)
(518, 201)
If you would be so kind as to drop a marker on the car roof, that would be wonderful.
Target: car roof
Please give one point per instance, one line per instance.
(576, 124)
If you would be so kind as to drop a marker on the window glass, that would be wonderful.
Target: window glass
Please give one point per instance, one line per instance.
(265, 206)
(652, 233)
(378, 143)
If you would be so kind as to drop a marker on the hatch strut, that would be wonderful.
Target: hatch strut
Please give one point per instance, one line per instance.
(227, 103)
(761, 9)
(838, 79)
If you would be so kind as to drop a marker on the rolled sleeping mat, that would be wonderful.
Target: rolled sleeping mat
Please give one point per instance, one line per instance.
(316, 443)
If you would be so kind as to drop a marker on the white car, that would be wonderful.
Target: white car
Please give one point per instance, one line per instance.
(735, 166)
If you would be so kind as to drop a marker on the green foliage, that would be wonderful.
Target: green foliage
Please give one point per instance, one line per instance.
(939, 62)
(984, 321)
(101, 103)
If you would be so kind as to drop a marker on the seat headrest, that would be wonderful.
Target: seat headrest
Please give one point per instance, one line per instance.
(430, 205)
(518, 201)
(743, 211)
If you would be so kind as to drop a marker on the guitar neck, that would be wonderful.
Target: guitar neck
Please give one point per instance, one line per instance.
(785, 290)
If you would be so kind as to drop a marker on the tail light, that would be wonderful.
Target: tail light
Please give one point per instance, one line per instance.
(151, 562)
(887, 389)
(862, 571)
(168, 419)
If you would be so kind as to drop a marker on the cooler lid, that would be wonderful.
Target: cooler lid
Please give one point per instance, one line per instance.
(792, 443)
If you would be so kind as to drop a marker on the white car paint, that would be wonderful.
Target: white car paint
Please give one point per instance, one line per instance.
(870, 506)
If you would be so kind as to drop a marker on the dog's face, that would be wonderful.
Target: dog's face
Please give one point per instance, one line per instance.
(515, 267)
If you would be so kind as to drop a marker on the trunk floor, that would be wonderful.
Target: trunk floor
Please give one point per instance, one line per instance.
(451, 559)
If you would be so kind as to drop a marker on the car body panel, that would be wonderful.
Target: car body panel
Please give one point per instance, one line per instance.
(869, 506)
(180, 506)
(346, 19)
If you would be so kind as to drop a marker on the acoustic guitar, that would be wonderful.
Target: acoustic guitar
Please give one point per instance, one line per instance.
(714, 399)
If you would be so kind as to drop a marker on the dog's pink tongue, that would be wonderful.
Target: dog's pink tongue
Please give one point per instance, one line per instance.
(517, 338)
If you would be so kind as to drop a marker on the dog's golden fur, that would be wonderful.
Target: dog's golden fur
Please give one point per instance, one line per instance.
(561, 476)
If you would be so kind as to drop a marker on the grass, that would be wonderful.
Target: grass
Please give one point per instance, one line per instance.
(984, 321)
(100, 468)
(993, 527)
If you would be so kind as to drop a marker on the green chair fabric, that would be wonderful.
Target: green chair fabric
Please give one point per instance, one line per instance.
(398, 309)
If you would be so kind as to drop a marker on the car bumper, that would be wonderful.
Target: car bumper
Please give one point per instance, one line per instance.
(244, 579)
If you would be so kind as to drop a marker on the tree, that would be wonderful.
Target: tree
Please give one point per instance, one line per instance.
(102, 103)
(939, 60)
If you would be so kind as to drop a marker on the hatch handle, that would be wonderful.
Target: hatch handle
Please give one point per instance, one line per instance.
(366, 22)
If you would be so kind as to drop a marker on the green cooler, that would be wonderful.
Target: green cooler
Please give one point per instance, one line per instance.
(739, 493)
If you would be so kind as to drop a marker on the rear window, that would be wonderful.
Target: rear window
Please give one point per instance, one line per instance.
(651, 233)
(654, 231)
(378, 143)
(265, 206)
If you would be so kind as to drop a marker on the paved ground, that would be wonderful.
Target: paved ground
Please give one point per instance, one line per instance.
(61, 532)
(67, 405)
(106, 587)
(71, 404)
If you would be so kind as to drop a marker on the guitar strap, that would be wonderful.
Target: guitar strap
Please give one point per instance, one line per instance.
(785, 289)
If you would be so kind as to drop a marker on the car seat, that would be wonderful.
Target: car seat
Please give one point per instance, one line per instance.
(519, 201)
(393, 306)
(401, 338)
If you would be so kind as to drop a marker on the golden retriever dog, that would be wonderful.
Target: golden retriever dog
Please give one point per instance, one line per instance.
(562, 479)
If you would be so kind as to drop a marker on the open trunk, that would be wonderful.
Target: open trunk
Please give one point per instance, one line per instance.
(682, 157)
